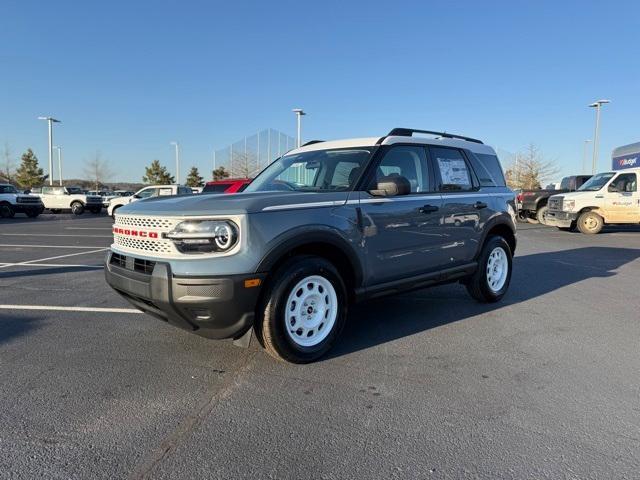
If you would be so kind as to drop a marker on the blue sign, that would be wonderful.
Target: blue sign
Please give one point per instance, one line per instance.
(626, 161)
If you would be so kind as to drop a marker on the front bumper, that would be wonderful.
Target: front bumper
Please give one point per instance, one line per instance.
(560, 219)
(28, 207)
(212, 307)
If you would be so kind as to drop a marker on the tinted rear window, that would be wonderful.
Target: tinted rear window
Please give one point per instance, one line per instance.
(217, 188)
(488, 169)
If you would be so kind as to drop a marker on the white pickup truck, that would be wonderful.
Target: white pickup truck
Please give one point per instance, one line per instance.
(147, 192)
(607, 198)
(57, 199)
(12, 202)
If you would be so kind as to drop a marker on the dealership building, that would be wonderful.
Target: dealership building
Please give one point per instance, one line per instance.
(627, 156)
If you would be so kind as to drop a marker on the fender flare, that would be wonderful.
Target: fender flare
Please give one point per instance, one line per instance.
(503, 219)
(310, 234)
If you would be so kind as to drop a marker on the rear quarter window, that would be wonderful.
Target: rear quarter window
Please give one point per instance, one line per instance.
(488, 170)
(217, 188)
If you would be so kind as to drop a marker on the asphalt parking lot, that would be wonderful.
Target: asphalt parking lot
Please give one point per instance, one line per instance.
(428, 384)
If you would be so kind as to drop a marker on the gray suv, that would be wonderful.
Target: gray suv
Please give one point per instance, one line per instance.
(323, 226)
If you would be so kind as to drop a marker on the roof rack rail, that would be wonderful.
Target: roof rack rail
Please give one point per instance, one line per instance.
(408, 132)
(311, 142)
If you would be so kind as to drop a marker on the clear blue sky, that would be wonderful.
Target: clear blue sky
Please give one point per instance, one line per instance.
(126, 78)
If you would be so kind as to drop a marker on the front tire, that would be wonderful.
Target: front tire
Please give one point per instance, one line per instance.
(77, 208)
(590, 223)
(6, 211)
(304, 310)
(491, 280)
(541, 214)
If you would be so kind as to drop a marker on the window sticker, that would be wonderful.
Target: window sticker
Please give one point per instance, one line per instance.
(453, 171)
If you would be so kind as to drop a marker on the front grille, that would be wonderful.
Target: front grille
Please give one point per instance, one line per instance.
(555, 203)
(148, 222)
(144, 235)
(28, 200)
(144, 246)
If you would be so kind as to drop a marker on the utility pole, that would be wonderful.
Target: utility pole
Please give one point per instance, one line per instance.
(59, 149)
(50, 122)
(299, 113)
(596, 137)
(175, 144)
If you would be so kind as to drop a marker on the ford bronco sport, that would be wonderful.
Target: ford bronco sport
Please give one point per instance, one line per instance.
(325, 225)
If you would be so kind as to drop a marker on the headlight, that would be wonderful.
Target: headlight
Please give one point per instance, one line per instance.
(204, 236)
(568, 205)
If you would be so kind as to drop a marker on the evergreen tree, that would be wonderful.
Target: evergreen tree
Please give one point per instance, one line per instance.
(156, 174)
(220, 174)
(29, 175)
(194, 179)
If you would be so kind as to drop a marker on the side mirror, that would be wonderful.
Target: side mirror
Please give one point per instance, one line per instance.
(392, 186)
(135, 195)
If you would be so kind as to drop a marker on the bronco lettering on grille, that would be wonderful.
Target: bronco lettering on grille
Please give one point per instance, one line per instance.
(134, 233)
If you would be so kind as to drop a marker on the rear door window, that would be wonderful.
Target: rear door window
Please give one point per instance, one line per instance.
(455, 175)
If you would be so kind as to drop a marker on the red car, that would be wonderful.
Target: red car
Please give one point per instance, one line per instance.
(229, 185)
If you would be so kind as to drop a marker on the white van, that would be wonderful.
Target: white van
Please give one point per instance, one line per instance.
(607, 198)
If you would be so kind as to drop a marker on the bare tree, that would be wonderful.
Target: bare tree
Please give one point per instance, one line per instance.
(7, 169)
(97, 170)
(243, 165)
(530, 170)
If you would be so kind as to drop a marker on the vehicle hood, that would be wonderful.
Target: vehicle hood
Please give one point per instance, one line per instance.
(576, 195)
(230, 204)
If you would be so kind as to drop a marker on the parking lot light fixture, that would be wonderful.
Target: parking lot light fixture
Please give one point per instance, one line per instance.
(299, 113)
(177, 146)
(596, 137)
(50, 122)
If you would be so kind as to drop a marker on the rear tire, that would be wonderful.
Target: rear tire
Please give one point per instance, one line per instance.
(77, 208)
(6, 210)
(304, 309)
(541, 214)
(491, 280)
(590, 223)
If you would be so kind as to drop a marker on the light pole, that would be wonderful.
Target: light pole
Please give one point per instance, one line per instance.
(299, 113)
(50, 122)
(584, 156)
(59, 149)
(175, 144)
(596, 137)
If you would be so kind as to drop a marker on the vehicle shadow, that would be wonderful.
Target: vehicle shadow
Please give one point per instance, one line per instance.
(12, 326)
(386, 319)
(32, 272)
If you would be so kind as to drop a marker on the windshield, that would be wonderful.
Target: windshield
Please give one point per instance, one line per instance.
(596, 182)
(74, 190)
(8, 189)
(316, 171)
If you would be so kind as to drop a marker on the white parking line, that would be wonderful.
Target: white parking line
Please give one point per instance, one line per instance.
(77, 265)
(69, 309)
(46, 246)
(40, 260)
(54, 235)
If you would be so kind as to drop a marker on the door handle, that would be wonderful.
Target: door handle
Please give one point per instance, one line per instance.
(480, 205)
(428, 209)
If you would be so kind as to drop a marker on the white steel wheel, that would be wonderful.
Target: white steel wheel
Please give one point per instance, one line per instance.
(311, 311)
(497, 269)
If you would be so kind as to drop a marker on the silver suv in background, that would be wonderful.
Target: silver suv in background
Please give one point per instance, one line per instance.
(326, 225)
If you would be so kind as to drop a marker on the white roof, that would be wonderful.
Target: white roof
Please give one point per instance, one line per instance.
(390, 140)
